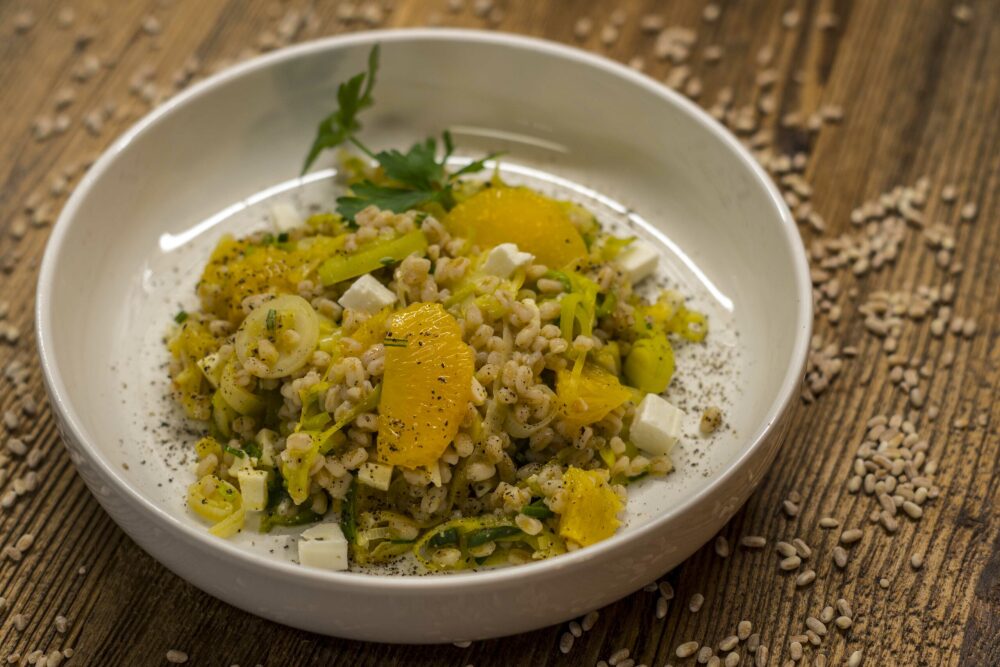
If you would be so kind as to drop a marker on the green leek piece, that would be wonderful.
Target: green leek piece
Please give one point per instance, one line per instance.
(649, 365)
(296, 470)
(484, 535)
(349, 513)
(368, 258)
(537, 510)
(326, 438)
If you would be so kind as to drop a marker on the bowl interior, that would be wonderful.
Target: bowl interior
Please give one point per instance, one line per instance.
(129, 246)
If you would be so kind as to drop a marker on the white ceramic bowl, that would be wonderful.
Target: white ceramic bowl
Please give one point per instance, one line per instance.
(143, 220)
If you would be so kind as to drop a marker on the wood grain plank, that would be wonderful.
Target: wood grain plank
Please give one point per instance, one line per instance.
(921, 94)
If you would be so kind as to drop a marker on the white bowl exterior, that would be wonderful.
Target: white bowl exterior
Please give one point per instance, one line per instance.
(245, 130)
(453, 611)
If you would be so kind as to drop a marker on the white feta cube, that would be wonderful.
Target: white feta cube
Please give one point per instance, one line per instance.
(505, 259)
(211, 368)
(285, 217)
(375, 475)
(323, 546)
(253, 488)
(638, 260)
(324, 531)
(253, 522)
(240, 463)
(367, 295)
(656, 427)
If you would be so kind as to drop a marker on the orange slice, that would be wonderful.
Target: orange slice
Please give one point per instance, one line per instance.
(238, 269)
(426, 386)
(591, 511)
(588, 397)
(537, 224)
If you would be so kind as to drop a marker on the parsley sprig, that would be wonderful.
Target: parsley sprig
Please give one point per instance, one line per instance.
(414, 178)
(353, 97)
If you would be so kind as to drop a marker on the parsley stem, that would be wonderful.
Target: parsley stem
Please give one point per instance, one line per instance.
(362, 147)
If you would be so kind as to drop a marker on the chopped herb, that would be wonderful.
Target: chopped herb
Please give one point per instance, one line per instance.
(272, 320)
(386, 261)
(181, 317)
(234, 451)
(395, 342)
(283, 237)
(252, 448)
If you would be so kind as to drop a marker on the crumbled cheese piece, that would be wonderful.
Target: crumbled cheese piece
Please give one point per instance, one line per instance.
(367, 295)
(285, 217)
(323, 546)
(638, 259)
(376, 475)
(240, 463)
(253, 488)
(209, 366)
(323, 531)
(505, 259)
(656, 426)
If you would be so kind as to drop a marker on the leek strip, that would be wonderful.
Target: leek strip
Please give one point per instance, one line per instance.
(482, 536)
(370, 403)
(567, 315)
(370, 257)
(537, 510)
(239, 399)
(349, 513)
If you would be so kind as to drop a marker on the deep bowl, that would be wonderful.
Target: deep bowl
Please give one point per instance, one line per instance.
(128, 244)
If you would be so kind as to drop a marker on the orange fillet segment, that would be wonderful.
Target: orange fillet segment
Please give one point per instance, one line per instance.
(426, 386)
(537, 224)
(592, 507)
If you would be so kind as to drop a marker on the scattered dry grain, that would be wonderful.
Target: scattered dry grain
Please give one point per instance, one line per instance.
(687, 649)
(176, 657)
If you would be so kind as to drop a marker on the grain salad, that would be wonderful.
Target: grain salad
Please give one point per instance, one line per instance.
(444, 365)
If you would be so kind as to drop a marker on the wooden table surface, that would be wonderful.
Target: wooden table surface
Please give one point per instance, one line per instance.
(917, 83)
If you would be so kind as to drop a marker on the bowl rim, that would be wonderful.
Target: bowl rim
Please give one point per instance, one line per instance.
(358, 581)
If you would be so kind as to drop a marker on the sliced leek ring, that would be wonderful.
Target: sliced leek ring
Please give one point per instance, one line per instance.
(290, 325)
(238, 398)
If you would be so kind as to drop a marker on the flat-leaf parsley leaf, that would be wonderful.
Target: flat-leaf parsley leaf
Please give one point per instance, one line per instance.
(353, 97)
(412, 179)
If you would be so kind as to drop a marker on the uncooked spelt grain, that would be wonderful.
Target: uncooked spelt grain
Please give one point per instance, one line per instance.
(687, 649)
